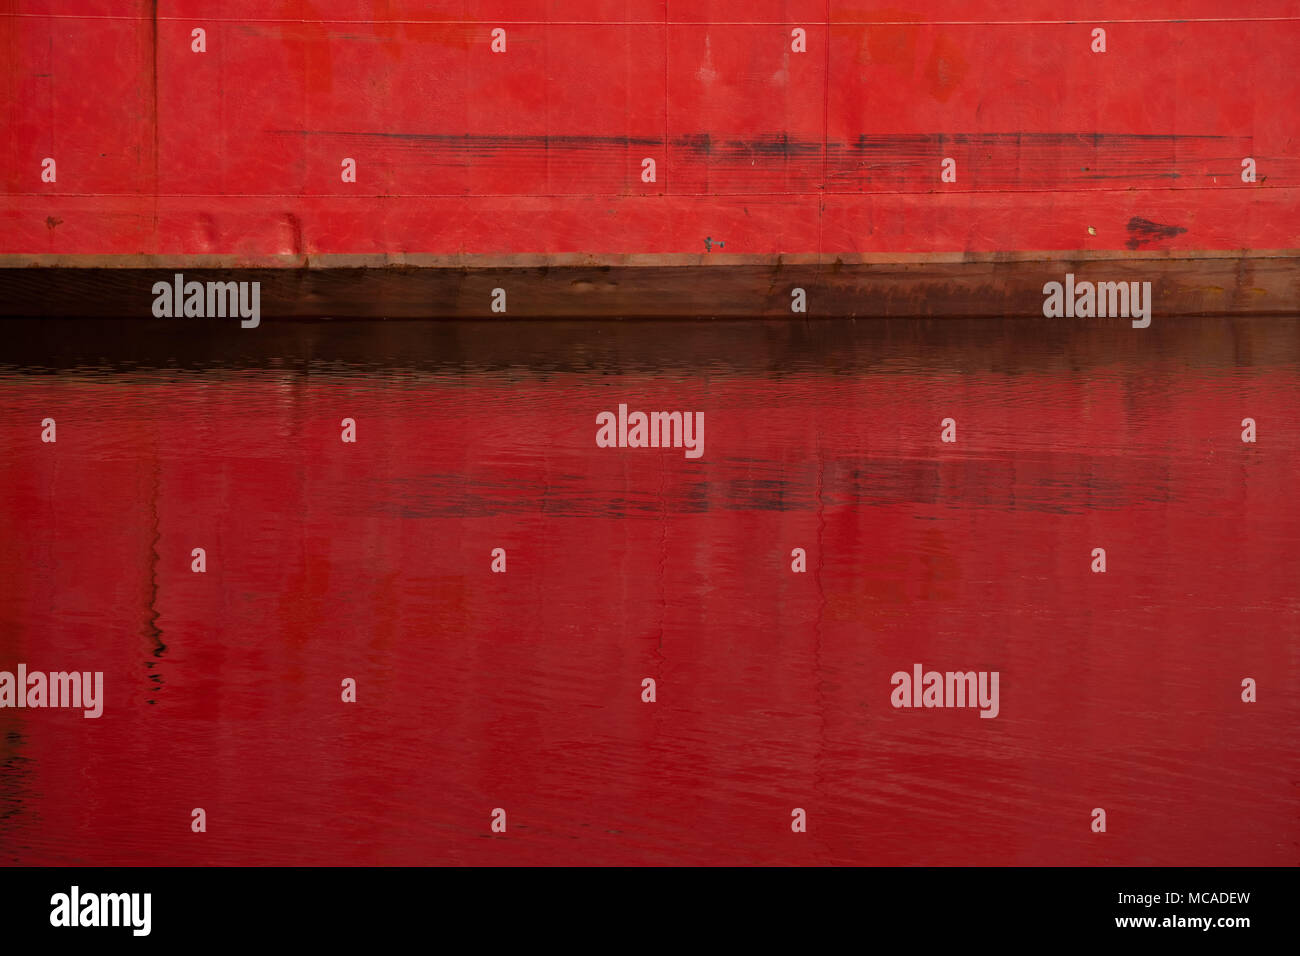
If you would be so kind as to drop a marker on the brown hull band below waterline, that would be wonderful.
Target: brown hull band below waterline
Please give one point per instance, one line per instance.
(656, 286)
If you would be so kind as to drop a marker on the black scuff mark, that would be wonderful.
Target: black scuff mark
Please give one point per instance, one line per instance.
(1142, 231)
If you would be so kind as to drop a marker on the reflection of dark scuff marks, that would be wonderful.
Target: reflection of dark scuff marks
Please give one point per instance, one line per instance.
(15, 772)
(1060, 489)
(152, 631)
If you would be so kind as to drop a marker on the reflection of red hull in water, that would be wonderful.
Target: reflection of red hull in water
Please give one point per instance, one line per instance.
(522, 690)
(238, 152)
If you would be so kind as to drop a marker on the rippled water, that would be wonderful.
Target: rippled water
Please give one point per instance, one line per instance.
(522, 690)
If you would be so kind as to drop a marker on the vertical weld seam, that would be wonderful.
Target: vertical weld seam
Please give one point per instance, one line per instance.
(826, 106)
(153, 19)
(668, 181)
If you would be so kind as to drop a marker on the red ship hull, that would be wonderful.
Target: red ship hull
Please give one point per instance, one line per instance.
(843, 133)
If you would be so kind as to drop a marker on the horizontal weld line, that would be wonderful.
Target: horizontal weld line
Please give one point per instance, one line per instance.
(671, 23)
(601, 197)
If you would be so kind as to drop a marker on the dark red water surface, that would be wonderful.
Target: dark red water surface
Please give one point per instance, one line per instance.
(523, 690)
